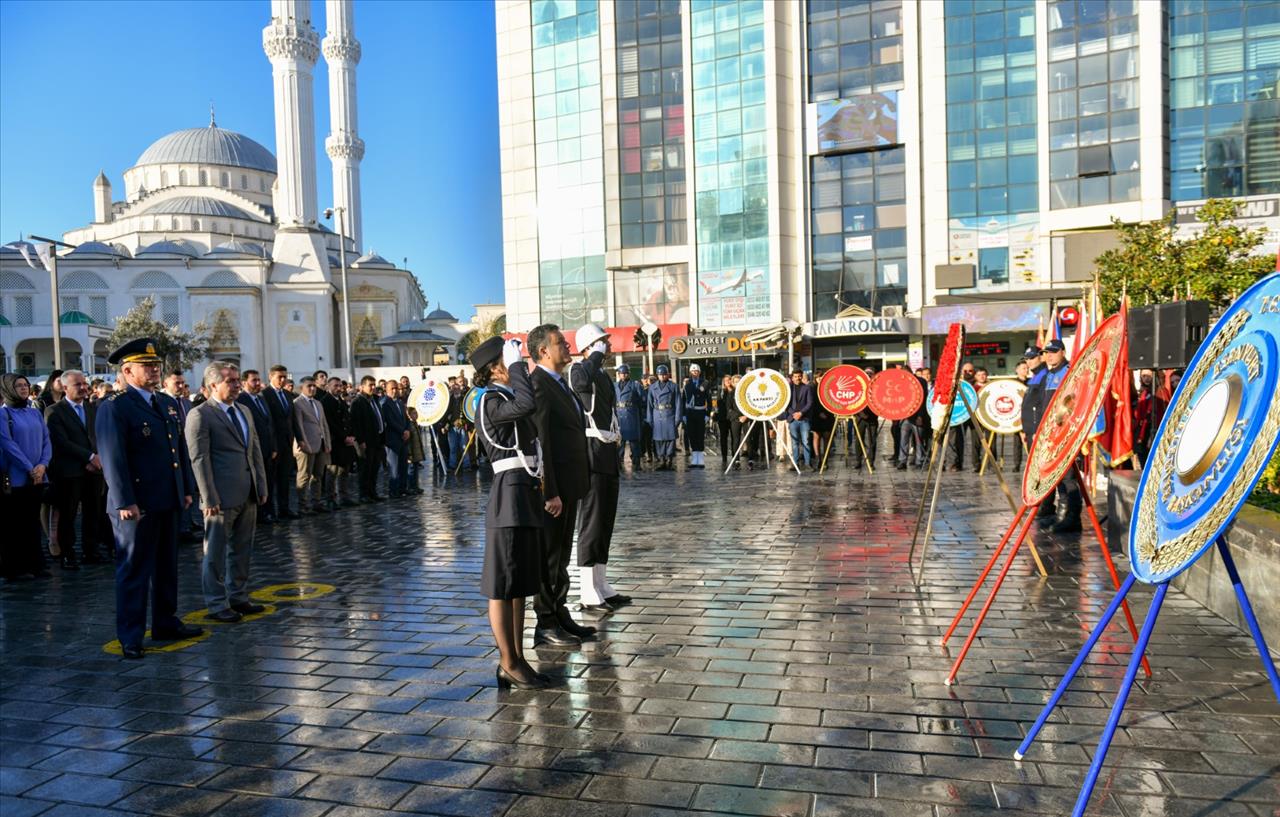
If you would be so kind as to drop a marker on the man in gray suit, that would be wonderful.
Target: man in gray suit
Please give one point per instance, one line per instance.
(311, 447)
(227, 460)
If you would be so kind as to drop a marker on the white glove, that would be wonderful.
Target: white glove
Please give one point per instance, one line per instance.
(598, 346)
(511, 352)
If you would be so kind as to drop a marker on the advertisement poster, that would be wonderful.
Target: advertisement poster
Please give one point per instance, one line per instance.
(657, 295)
(866, 121)
(733, 298)
(1019, 233)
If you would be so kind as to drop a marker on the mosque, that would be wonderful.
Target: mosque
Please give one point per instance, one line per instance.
(218, 230)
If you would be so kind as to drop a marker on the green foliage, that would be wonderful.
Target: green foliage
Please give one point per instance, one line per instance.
(481, 333)
(1266, 494)
(1156, 266)
(178, 349)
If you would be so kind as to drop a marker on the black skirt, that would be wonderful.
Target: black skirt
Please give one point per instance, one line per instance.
(512, 563)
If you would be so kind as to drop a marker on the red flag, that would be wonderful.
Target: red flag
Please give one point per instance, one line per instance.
(1117, 438)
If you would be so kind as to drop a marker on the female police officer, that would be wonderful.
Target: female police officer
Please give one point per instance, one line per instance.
(513, 519)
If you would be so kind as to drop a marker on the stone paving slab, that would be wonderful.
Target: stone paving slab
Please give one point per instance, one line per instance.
(778, 660)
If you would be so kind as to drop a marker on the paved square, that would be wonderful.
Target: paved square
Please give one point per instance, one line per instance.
(777, 661)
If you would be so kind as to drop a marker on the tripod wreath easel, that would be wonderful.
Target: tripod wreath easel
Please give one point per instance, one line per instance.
(844, 391)
(762, 396)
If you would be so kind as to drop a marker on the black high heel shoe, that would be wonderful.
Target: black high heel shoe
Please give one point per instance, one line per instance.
(508, 681)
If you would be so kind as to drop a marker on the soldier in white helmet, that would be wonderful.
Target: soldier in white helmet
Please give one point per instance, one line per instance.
(594, 389)
(695, 401)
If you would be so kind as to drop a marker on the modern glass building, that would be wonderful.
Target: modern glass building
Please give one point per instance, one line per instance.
(870, 169)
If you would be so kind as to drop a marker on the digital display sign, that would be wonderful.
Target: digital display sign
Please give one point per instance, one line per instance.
(981, 348)
(866, 121)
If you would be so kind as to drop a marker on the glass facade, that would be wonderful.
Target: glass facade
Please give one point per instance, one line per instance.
(1224, 98)
(992, 190)
(858, 223)
(855, 47)
(651, 123)
(1093, 102)
(569, 157)
(730, 150)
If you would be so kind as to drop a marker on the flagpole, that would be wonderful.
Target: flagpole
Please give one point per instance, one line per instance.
(54, 297)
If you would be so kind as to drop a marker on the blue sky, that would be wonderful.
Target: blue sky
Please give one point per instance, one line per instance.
(86, 86)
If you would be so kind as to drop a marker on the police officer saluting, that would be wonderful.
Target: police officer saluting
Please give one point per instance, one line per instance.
(664, 415)
(595, 391)
(149, 484)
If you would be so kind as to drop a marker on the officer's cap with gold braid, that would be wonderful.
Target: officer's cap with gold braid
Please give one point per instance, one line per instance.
(142, 350)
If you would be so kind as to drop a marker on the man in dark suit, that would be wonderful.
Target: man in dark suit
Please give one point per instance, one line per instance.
(149, 482)
(562, 432)
(76, 471)
(367, 426)
(251, 398)
(396, 437)
(280, 404)
(338, 416)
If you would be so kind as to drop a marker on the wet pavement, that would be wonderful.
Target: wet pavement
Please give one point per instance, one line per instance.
(777, 661)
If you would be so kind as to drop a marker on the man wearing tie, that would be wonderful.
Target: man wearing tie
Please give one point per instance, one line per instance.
(251, 398)
(227, 460)
(280, 404)
(562, 433)
(396, 438)
(311, 447)
(367, 427)
(75, 470)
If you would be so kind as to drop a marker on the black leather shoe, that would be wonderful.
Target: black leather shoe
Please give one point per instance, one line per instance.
(508, 681)
(132, 652)
(554, 635)
(595, 608)
(248, 608)
(618, 600)
(183, 631)
(573, 628)
(225, 616)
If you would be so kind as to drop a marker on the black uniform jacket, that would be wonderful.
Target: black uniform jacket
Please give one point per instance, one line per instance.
(364, 421)
(589, 381)
(74, 443)
(515, 500)
(562, 431)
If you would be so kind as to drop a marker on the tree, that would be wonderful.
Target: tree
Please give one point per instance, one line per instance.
(468, 342)
(1154, 265)
(177, 349)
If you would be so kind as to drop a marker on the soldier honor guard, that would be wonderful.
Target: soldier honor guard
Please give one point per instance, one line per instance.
(696, 400)
(629, 406)
(664, 416)
(149, 483)
(595, 391)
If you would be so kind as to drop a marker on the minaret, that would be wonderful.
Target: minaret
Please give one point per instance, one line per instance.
(101, 199)
(292, 45)
(344, 146)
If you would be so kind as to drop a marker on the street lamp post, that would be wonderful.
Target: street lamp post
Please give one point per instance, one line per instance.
(649, 328)
(54, 297)
(346, 306)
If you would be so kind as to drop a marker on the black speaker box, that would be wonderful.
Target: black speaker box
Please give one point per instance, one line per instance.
(1180, 327)
(1142, 337)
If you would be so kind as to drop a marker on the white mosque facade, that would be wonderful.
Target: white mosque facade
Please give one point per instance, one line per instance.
(218, 230)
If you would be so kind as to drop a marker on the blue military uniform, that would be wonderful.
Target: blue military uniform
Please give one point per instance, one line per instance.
(630, 408)
(695, 401)
(664, 410)
(145, 462)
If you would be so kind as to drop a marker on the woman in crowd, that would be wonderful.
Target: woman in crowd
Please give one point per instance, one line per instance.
(727, 449)
(513, 519)
(24, 454)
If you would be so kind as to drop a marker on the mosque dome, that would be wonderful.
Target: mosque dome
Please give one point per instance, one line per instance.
(372, 259)
(237, 248)
(439, 314)
(175, 246)
(94, 249)
(197, 206)
(211, 146)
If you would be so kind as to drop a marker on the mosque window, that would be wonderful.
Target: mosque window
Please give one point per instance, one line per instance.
(244, 181)
(164, 178)
(98, 310)
(22, 311)
(182, 177)
(69, 303)
(169, 310)
(225, 180)
(173, 223)
(195, 224)
(262, 184)
(204, 177)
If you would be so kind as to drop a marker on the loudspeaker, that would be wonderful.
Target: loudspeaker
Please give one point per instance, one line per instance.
(1180, 327)
(1142, 337)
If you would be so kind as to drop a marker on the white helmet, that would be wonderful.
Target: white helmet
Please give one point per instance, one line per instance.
(588, 335)
(695, 368)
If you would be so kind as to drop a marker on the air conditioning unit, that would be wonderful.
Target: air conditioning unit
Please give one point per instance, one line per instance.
(892, 311)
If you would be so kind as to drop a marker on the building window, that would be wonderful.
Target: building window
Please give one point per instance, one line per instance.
(244, 182)
(858, 222)
(1093, 102)
(169, 310)
(182, 177)
(574, 291)
(98, 310)
(730, 146)
(569, 150)
(657, 294)
(225, 179)
(164, 178)
(1224, 99)
(68, 303)
(204, 178)
(23, 315)
(651, 123)
(854, 48)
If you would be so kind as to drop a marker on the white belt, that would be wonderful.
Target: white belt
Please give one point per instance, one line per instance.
(603, 436)
(512, 463)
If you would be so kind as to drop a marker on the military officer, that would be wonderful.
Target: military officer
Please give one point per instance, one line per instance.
(149, 484)
(664, 416)
(599, 507)
(695, 399)
(629, 402)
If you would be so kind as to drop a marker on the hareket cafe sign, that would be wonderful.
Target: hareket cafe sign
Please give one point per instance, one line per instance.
(718, 345)
(839, 327)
